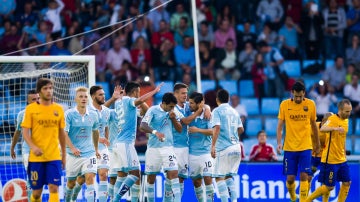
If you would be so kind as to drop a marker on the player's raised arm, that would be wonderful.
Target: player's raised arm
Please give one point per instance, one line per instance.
(148, 95)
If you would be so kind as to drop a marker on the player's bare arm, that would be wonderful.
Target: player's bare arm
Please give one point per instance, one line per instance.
(216, 132)
(95, 137)
(62, 142)
(279, 135)
(329, 129)
(207, 132)
(148, 95)
(177, 125)
(117, 94)
(36, 150)
(187, 120)
(14, 140)
(316, 147)
(147, 129)
(73, 149)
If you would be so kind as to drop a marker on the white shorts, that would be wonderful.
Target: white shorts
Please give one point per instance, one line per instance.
(157, 158)
(182, 157)
(227, 161)
(112, 172)
(125, 157)
(200, 166)
(76, 166)
(25, 158)
(104, 161)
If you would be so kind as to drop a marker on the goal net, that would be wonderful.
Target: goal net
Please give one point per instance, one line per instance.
(18, 75)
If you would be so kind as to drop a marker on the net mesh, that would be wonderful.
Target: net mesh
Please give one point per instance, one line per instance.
(16, 79)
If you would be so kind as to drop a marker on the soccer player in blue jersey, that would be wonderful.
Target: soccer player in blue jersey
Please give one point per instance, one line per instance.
(82, 138)
(200, 161)
(32, 96)
(97, 94)
(126, 160)
(159, 121)
(225, 146)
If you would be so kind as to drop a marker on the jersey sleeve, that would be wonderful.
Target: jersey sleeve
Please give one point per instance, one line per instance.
(331, 122)
(27, 121)
(179, 115)
(132, 102)
(281, 114)
(96, 122)
(313, 110)
(148, 116)
(215, 119)
(19, 120)
(240, 124)
(62, 118)
(67, 121)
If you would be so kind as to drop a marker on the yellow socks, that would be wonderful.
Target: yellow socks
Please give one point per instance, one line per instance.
(32, 199)
(343, 193)
(54, 197)
(304, 190)
(291, 189)
(319, 192)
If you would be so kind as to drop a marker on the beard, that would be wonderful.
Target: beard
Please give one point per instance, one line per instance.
(99, 102)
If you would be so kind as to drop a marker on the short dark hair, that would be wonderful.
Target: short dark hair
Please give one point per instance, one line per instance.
(93, 89)
(169, 98)
(298, 86)
(179, 86)
(185, 19)
(32, 92)
(260, 131)
(41, 82)
(131, 86)
(341, 104)
(204, 22)
(197, 97)
(223, 96)
(262, 44)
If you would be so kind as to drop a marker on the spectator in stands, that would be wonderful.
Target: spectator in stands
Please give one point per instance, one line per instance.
(224, 33)
(293, 9)
(353, 22)
(227, 66)
(270, 11)
(206, 33)
(324, 97)
(163, 33)
(6, 28)
(262, 151)
(275, 77)
(76, 43)
(185, 58)
(353, 52)
(289, 37)
(164, 61)
(269, 36)
(100, 61)
(59, 48)
(29, 66)
(140, 52)
(96, 35)
(246, 60)
(206, 10)
(144, 72)
(156, 16)
(186, 79)
(183, 30)
(140, 30)
(207, 60)
(311, 24)
(42, 32)
(9, 41)
(245, 35)
(123, 75)
(258, 76)
(114, 59)
(352, 92)
(235, 103)
(28, 17)
(350, 70)
(335, 76)
(225, 14)
(118, 14)
(177, 16)
(52, 15)
(334, 26)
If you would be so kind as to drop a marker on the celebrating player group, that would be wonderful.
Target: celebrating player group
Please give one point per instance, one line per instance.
(185, 140)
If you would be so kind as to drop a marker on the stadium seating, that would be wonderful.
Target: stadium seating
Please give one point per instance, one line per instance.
(270, 106)
(167, 87)
(357, 127)
(348, 145)
(106, 87)
(253, 126)
(292, 68)
(251, 105)
(240, 28)
(230, 86)
(246, 88)
(248, 144)
(207, 85)
(329, 63)
(351, 127)
(357, 146)
(270, 126)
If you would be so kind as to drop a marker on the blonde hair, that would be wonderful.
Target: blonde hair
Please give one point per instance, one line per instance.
(81, 89)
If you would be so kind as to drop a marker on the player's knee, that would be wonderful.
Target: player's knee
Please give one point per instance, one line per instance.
(89, 179)
(330, 188)
(151, 179)
(135, 173)
(208, 180)
(290, 180)
(103, 175)
(172, 174)
(53, 188)
(197, 182)
(71, 184)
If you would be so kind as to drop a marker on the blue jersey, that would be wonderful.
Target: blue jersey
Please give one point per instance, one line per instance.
(199, 143)
(182, 139)
(80, 130)
(25, 149)
(159, 120)
(114, 129)
(127, 113)
(103, 117)
(229, 121)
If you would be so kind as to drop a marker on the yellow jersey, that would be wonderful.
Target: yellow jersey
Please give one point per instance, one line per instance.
(297, 123)
(334, 151)
(322, 136)
(44, 122)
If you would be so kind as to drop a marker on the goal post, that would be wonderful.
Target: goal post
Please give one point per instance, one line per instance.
(18, 75)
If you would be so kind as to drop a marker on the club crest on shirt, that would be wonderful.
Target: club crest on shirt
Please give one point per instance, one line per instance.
(306, 108)
(56, 113)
